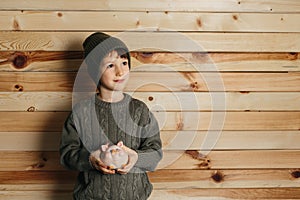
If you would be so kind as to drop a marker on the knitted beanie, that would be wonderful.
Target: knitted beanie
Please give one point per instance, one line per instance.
(96, 47)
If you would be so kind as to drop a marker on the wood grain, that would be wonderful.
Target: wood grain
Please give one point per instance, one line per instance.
(203, 194)
(123, 21)
(161, 179)
(243, 121)
(171, 140)
(190, 159)
(151, 82)
(71, 61)
(155, 41)
(182, 194)
(269, 6)
(40, 60)
(162, 101)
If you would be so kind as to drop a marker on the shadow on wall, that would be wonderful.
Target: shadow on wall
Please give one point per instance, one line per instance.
(58, 180)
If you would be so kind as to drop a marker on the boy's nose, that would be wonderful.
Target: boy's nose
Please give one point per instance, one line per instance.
(119, 71)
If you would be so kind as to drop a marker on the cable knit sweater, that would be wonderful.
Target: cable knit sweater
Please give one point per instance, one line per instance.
(94, 122)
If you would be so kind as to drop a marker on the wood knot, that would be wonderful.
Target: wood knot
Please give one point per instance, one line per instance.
(150, 98)
(292, 56)
(296, 174)
(235, 17)
(138, 23)
(31, 109)
(179, 126)
(194, 86)
(199, 22)
(205, 161)
(38, 165)
(16, 25)
(146, 54)
(217, 177)
(59, 14)
(20, 61)
(19, 87)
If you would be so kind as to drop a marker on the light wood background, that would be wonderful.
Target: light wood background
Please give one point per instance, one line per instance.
(250, 46)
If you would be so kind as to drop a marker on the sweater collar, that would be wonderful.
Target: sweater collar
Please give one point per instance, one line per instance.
(123, 102)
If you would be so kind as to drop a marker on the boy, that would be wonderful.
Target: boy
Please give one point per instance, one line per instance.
(109, 117)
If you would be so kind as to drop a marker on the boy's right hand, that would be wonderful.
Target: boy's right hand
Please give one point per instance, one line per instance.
(98, 164)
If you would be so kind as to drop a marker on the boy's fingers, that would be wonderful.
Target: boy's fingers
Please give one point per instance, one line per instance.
(107, 171)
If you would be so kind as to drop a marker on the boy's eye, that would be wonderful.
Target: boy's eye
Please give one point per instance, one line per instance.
(125, 63)
(110, 65)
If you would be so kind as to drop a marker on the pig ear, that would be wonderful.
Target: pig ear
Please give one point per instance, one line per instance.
(104, 147)
(120, 144)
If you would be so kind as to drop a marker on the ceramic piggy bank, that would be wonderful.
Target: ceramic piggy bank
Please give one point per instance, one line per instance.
(114, 156)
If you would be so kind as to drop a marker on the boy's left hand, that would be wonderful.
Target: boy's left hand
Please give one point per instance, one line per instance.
(132, 159)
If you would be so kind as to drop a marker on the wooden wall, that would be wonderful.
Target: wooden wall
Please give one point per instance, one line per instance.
(254, 44)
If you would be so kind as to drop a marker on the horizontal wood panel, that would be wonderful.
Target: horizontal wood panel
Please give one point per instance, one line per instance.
(40, 60)
(156, 5)
(53, 121)
(49, 61)
(262, 159)
(156, 82)
(161, 179)
(192, 159)
(162, 101)
(222, 62)
(182, 194)
(156, 41)
(204, 194)
(120, 21)
(171, 140)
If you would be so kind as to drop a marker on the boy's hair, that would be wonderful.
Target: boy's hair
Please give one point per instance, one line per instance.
(96, 47)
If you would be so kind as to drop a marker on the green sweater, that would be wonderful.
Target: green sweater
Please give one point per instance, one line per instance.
(94, 122)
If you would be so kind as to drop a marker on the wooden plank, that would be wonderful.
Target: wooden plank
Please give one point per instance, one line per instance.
(262, 159)
(32, 121)
(29, 195)
(235, 101)
(161, 179)
(156, 5)
(204, 194)
(40, 60)
(120, 21)
(151, 82)
(243, 121)
(178, 179)
(222, 62)
(181, 194)
(191, 159)
(39, 81)
(150, 41)
(162, 101)
(36, 101)
(172, 140)
(48, 61)
(30, 141)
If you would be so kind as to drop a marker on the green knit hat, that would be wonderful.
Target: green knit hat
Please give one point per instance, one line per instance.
(96, 47)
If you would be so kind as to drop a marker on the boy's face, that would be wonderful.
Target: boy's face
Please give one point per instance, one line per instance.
(115, 72)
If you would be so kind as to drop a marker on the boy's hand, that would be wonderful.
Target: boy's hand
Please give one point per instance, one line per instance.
(132, 159)
(98, 164)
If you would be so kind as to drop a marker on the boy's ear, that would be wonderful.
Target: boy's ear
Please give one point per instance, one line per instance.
(104, 147)
(120, 144)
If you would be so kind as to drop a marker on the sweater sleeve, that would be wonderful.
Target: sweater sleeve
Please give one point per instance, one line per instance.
(149, 153)
(73, 155)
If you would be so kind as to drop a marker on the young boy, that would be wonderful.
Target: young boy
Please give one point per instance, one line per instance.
(110, 116)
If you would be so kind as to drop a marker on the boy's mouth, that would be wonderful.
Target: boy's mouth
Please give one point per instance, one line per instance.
(119, 80)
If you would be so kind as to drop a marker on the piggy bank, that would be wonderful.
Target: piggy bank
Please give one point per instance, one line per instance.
(114, 156)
